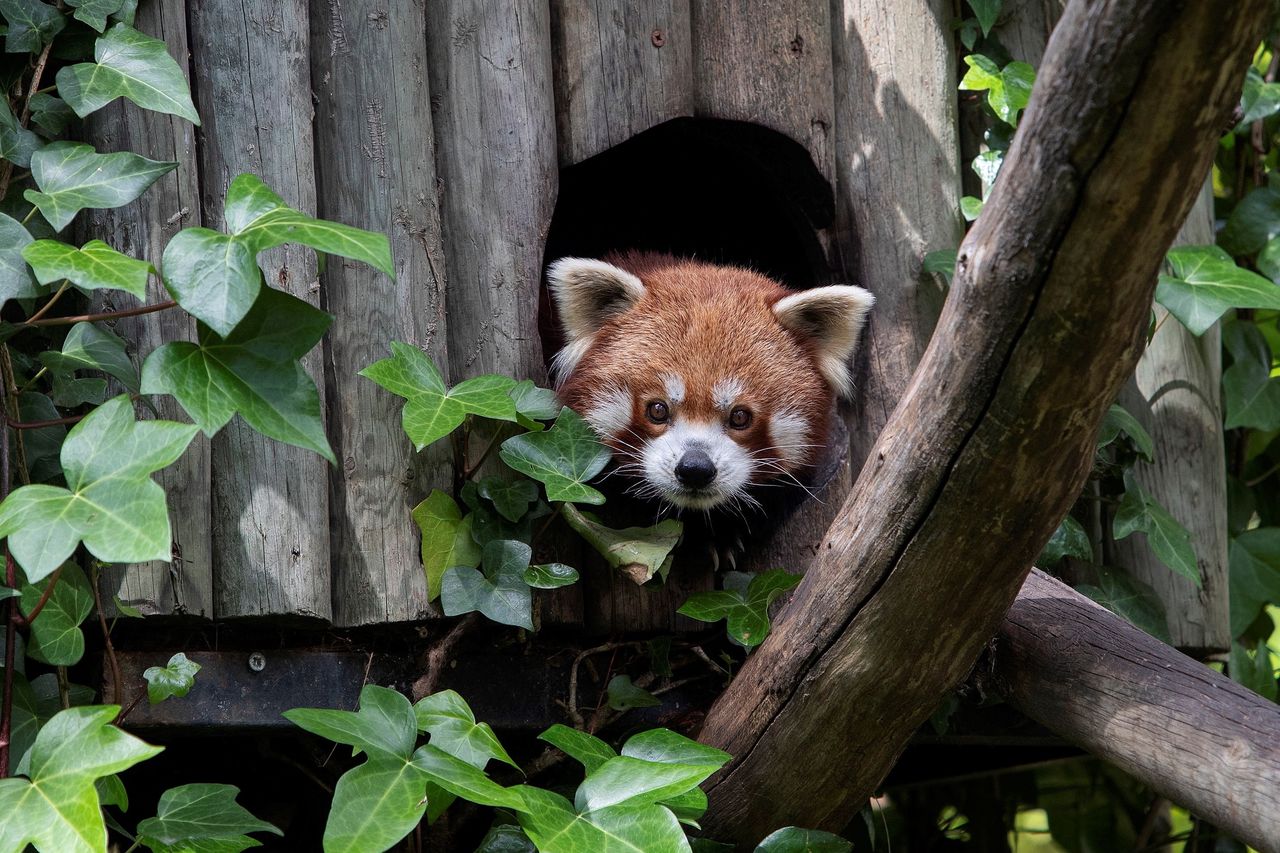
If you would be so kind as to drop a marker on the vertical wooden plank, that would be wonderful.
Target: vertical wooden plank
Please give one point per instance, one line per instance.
(376, 169)
(768, 62)
(141, 229)
(270, 501)
(620, 68)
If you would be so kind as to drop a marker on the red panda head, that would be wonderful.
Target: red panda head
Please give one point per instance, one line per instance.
(704, 380)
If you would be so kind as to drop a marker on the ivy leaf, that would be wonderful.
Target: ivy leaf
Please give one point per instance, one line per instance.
(556, 827)
(624, 695)
(1008, 89)
(32, 25)
(943, 263)
(1253, 222)
(95, 12)
(986, 12)
(215, 276)
(127, 64)
(254, 371)
(201, 817)
(91, 347)
(50, 113)
(1205, 283)
(638, 552)
(44, 444)
(1251, 396)
(1129, 599)
(534, 404)
(626, 781)
(110, 501)
(1069, 540)
(792, 839)
(72, 176)
(446, 539)
(1117, 421)
(111, 792)
(449, 720)
(747, 615)
(384, 724)
(56, 637)
(500, 592)
(987, 167)
(550, 575)
(970, 208)
(94, 265)
(375, 805)
(563, 459)
(433, 409)
(176, 678)
(57, 807)
(506, 838)
(1254, 564)
(1253, 671)
(588, 750)
(1139, 512)
(666, 746)
(1259, 99)
(15, 278)
(511, 499)
(17, 144)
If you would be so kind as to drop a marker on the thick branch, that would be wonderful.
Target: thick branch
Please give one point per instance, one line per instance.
(994, 437)
(1191, 734)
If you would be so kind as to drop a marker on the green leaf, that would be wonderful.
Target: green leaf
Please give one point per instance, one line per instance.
(555, 827)
(453, 728)
(792, 839)
(95, 12)
(254, 371)
(201, 817)
(987, 167)
(1251, 396)
(563, 459)
(624, 695)
(550, 576)
(57, 807)
(986, 12)
(463, 780)
(110, 501)
(747, 615)
(16, 281)
(983, 74)
(50, 113)
(638, 552)
(1130, 599)
(32, 25)
(384, 724)
(588, 750)
(129, 65)
(500, 592)
(1139, 512)
(446, 539)
(1259, 99)
(72, 176)
(17, 144)
(511, 499)
(56, 637)
(375, 805)
(433, 409)
(1008, 89)
(1069, 540)
(176, 678)
(1205, 283)
(111, 792)
(1254, 563)
(506, 838)
(1117, 421)
(942, 262)
(1253, 222)
(1253, 671)
(534, 404)
(625, 781)
(666, 746)
(970, 208)
(91, 347)
(95, 265)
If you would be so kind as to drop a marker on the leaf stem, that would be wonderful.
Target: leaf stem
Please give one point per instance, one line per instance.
(35, 82)
(27, 218)
(11, 604)
(69, 419)
(18, 392)
(52, 301)
(44, 598)
(471, 470)
(116, 682)
(105, 315)
(136, 699)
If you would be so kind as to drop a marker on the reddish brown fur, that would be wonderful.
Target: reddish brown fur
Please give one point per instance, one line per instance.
(705, 323)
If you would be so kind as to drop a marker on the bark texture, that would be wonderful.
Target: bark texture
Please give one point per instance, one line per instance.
(994, 437)
(1190, 733)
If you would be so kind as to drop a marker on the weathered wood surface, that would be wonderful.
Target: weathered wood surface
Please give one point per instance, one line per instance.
(1175, 394)
(1186, 731)
(270, 501)
(995, 435)
(375, 162)
(141, 229)
(620, 69)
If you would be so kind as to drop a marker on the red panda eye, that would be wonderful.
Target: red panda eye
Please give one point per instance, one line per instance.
(657, 412)
(740, 418)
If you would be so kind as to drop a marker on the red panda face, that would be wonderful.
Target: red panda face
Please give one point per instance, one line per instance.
(704, 380)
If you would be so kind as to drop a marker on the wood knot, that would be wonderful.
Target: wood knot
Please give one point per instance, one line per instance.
(658, 37)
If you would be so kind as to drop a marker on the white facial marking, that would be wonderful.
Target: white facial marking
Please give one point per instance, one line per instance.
(565, 361)
(726, 391)
(609, 411)
(674, 386)
(788, 434)
(733, 464)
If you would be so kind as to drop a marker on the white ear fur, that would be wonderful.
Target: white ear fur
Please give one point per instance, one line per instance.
(587, 293)
(830, 319)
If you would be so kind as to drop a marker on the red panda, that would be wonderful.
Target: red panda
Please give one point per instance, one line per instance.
(704, 380)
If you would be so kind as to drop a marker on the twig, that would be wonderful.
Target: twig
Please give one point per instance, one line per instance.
(105, 315)
(1157, 807)
(116, 682)
(136, 699)
(44, 309)
(44, 598)
(11, 604)
(705, 658)
(437, 657)
(18, 392)
(11, 414)
(35, 83)
(470, 471)
(69, 419)
(572, 706)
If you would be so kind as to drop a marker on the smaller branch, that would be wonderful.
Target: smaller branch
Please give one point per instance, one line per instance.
(44, 599)
(437, 657)
(18, 392)
(35, 82)
(116, 682)
(69, 419)
(105, 315)
(470, 471)
(53, 301)
(136, 699)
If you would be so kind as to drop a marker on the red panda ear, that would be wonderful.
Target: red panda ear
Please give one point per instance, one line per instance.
(588, 293)
(829, 319)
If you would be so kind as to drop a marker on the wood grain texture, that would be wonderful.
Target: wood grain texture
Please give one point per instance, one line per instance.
(995, 435)
(620, 68)
(375, 162)
(270, 501)
(1184, 730)
(183, 587)
(1176, 395)
(768, 62)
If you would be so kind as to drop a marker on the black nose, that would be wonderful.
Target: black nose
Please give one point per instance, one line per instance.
(695, 469)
